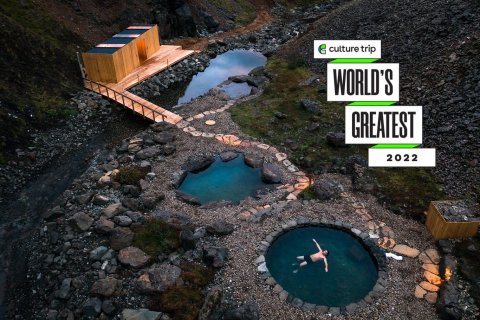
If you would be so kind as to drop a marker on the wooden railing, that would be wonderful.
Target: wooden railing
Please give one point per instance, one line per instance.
(121, 98)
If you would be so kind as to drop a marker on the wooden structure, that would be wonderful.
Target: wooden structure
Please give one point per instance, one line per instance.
(441, 228)
(115, 58)
(126, 59)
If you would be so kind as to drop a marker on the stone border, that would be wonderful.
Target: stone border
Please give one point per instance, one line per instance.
(377, 254)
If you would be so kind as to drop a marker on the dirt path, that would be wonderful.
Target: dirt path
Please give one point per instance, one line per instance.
(262, 18)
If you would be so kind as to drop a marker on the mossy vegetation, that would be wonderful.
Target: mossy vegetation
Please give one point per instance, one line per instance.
(406, 190)
(131, 175)
(294, 3)
(156, 236)
(243, 10)
(196, 275)
(184, 302)
(308, 194)
(180, 302)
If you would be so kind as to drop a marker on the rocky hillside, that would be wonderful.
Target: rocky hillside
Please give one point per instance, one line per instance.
(437, 46)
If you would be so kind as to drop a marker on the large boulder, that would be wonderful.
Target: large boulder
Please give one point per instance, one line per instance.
(149, 152)
(336, 139)
(81, 221)
(253, 160)
(187, 240)
(310, 105)
(212, 300)
(187, 198)
(106, 287)
(159, 278)
(133, 257)
(198, 163)
(121, 238)
(140, 314)
(112, 210)
(228, 156)
(215, 256)
(92, 307)
(271, 173)
(326, 189)
(248, 311)
(163, 138)
(448, 301)
(220, 228)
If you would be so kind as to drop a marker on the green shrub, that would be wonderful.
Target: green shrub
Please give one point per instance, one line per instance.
(196, 275)
(181, 302)
(156, 236)
(308, 194)
(131, 175)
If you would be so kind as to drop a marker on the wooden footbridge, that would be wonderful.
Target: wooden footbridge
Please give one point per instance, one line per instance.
(124, 61)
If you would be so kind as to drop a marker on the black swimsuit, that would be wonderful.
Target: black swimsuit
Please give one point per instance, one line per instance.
(307, 259)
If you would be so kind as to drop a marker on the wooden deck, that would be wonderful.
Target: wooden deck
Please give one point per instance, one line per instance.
(165, 57)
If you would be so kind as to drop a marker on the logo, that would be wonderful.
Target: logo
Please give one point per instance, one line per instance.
(322, 48)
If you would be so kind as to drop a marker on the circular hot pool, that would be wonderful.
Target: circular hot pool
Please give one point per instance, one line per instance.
(351, 275)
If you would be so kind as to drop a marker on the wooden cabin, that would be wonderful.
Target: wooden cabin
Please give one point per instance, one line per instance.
(452, 219)
(115, 58)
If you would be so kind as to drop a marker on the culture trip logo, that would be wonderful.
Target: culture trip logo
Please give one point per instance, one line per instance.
(322, 48)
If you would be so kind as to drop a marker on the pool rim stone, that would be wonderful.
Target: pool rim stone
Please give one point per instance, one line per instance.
(377, 254)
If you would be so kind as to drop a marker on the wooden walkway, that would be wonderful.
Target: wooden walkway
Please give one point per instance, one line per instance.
(165, 57)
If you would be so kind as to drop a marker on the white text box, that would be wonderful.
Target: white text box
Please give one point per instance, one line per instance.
(414, 157)
(383, 124)
(363, 82)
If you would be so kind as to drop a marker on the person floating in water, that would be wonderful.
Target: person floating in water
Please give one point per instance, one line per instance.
(320, 255)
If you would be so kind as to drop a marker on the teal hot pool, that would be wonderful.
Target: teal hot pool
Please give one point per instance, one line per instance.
(231, 181)
(352, 271)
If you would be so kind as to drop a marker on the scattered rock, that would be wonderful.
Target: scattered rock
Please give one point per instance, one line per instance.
(103, 226)
(215, 256)
(92, 307)
(133, 257)
(158, 278)
(121, 238)
(271, 173)
(336, 139)
(253, 160)
(220, 228)
(212, 300)
(140, 314)
(105, 287)
(228, 156)
(112, 210)
(310, 105)
(187, 198)
(326, 189)
(82, 221)
(248, 311)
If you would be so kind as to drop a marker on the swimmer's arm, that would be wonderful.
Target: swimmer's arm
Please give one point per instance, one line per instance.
(316, 243)
(326, 264)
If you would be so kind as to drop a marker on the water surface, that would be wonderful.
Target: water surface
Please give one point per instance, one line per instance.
(225, 65)
(352, 272)
(231, 181)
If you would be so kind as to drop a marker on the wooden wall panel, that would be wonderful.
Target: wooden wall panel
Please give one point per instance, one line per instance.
(99, 67)
(442, 229)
